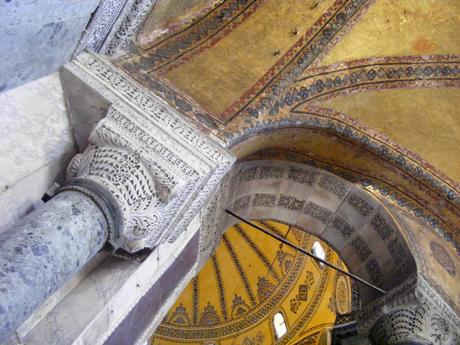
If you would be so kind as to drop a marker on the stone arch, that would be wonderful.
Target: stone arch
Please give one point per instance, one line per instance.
(345, 215)
(335, 141)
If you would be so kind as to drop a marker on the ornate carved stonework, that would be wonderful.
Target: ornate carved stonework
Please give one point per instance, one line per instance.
(443, 258)
(410, 314)
(131, 182)
(135, 13)
(101, 24)
(158, 170)
(406, 325)
(114, 23)
(413, 324)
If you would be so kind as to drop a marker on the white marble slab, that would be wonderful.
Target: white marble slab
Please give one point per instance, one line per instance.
(36, 142)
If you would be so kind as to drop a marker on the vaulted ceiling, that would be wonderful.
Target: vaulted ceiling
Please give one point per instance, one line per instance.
(390, 66)
(375, 81)
(234, 61)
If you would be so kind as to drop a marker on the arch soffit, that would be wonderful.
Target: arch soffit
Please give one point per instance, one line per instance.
(342, 214)
(361, 156)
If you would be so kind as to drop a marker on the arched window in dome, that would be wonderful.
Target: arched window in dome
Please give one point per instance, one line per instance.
(280, 325)
(318, 251)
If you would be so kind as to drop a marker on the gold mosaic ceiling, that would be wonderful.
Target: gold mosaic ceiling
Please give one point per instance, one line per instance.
(226, 68)
(250, 278)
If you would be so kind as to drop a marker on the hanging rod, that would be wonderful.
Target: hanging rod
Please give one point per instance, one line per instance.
(292, 245)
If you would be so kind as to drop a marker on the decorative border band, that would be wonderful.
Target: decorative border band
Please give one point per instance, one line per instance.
(179, 48)
(370, 74)
(383, 189)
(259, 98)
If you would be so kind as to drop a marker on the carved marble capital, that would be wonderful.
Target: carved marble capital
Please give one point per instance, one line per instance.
(131, 182)
(413, 324)
(156, 169)
(410, 314)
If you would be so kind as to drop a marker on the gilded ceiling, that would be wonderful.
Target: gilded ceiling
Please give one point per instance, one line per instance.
(251, 277)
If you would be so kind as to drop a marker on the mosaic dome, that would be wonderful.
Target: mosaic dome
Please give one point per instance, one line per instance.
(249, 279)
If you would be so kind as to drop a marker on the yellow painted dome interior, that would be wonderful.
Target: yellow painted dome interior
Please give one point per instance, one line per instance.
(249, 279)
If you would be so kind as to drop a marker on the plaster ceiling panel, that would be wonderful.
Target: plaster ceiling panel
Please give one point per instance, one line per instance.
(426, 121)
(405, 27)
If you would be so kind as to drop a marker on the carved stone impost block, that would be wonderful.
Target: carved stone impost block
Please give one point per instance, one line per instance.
(410, 314)
(151, 169)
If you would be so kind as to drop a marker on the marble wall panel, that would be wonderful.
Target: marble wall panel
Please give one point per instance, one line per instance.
(36, 143)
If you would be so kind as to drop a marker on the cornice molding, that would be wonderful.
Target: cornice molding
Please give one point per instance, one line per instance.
(113, 25)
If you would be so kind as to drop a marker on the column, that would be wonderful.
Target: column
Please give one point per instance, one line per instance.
(43, 251)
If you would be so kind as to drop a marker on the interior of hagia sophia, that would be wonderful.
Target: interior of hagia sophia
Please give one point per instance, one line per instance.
(358, 88)
(360, 101)
(344, 119)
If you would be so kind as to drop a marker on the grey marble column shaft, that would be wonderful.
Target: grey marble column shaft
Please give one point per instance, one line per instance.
(43, 251)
